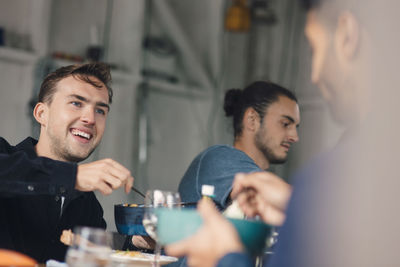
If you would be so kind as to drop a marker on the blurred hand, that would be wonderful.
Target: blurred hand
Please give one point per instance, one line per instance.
(212, 241)
(143, 242)
(104, 175)
(263, 194)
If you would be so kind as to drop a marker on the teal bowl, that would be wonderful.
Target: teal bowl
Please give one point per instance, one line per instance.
(175, 225)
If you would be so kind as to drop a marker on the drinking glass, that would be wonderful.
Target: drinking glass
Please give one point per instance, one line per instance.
(272, 240)
(156, 199)
(90, 247)
(269, 250)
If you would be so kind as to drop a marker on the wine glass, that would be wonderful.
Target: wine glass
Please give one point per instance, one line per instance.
(156, 199)
(270, 244)
(272, 240)
(90, 247)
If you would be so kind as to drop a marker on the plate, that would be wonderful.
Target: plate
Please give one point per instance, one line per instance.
(140, 258)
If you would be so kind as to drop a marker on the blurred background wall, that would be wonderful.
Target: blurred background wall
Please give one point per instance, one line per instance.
(172, 61)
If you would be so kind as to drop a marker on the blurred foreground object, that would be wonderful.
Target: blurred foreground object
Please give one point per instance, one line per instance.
(234, 211)
(343, 207)
(185, 224)
(90, 247)
(67, 237)
(13, 258)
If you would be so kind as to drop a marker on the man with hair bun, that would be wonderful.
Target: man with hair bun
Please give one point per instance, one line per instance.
(265, 120)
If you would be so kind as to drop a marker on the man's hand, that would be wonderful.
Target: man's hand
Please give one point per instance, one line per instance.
(143, 242)
(264, 194)
(104, 175)
(212, 241)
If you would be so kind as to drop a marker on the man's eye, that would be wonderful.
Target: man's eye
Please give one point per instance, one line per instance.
(285, 124)
(100, 111)
(76, 103)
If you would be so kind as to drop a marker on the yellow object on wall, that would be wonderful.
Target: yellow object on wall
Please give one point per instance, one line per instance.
(237, 18)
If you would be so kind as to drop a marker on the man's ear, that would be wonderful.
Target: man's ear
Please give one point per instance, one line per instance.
(40, 112)
(347, 37)
(251, 120)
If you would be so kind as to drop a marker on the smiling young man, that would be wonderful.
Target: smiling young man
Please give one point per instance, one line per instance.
(73, 120)
(265, 120)
(43, 190)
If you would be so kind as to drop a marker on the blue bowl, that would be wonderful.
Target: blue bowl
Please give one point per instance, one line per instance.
(176, 225)
(128, 220)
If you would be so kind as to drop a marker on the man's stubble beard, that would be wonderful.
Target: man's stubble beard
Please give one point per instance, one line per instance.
(63, 152)
(266, 150)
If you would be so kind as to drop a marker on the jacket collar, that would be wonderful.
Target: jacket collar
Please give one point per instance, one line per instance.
(28, 145)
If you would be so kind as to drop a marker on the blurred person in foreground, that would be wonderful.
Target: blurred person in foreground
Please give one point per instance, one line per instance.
(342, 210)
(43, 189)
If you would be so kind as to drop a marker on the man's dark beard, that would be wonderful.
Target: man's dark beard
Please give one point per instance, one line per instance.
(269, 155)
(267, 152)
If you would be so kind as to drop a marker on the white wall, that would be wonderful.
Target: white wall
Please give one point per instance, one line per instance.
(15, 95)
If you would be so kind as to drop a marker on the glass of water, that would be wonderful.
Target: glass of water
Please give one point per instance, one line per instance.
(90, 247)
(156, 199)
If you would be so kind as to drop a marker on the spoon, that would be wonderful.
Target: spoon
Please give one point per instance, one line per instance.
(137, 191)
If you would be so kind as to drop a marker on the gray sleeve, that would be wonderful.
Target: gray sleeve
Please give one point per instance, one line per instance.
(218, 168)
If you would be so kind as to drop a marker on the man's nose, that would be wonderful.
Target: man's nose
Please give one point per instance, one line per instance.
(88, 116)
(293, 136)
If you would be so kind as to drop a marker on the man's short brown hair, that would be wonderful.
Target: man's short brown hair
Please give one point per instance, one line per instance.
(84, 72)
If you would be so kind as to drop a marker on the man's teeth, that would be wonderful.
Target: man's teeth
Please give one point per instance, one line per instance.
(80, 133)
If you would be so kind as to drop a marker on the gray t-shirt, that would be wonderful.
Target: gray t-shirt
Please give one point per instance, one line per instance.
(217, 166)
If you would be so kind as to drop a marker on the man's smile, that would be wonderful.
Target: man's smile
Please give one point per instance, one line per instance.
(82, 136)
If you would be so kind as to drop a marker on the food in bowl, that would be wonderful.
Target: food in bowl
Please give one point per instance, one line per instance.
(127, 253)
(130, 205)
(138, 259)
(66, 237)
